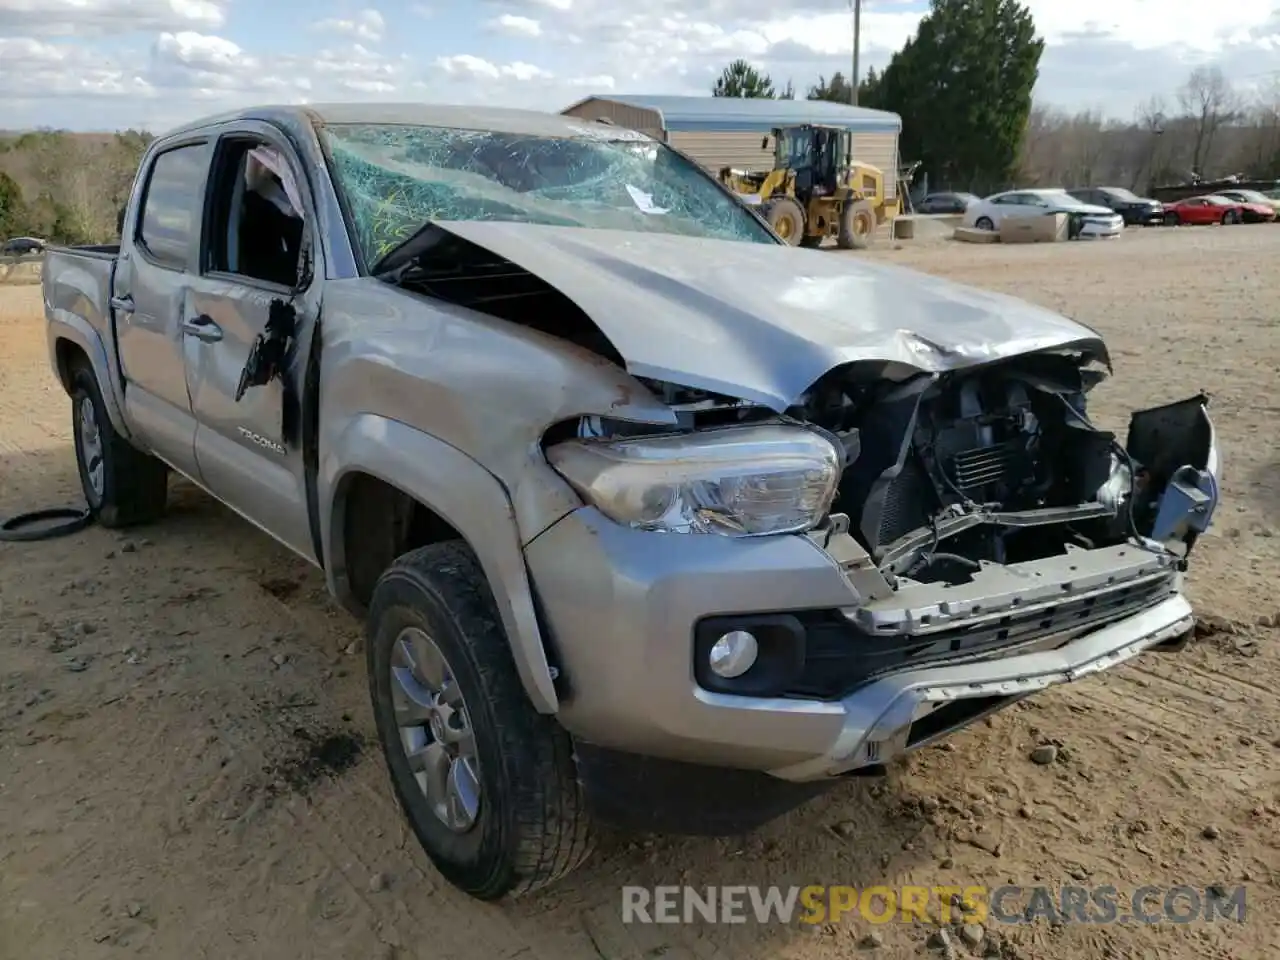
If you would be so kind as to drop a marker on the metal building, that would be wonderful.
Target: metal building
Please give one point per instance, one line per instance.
(726, 131)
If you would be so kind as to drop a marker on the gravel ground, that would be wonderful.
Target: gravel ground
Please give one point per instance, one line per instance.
(186, 766)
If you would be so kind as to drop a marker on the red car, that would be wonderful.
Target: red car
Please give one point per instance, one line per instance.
(1214, 209)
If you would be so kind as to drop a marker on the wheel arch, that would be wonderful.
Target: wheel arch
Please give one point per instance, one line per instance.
(72, 340)
(405, 489)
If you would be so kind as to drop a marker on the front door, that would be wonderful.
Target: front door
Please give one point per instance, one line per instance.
(158, 255)
(248, 441)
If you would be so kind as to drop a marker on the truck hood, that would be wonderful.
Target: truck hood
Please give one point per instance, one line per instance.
(762, 322)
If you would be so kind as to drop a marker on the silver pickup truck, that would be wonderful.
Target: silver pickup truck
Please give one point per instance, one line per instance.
(652, 518)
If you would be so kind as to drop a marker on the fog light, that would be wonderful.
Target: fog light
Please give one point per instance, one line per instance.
(733, 654)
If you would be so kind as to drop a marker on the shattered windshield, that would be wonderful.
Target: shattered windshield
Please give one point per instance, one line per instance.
(395, 178)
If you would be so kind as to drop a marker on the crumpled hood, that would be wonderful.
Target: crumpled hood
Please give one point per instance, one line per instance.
(763, 322)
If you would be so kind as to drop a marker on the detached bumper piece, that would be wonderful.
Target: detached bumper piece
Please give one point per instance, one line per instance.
(1001, 611)
(907, 710)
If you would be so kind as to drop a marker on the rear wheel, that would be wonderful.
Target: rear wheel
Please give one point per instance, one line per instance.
(488, 784)
(984, 223)
(1230, 217)
(122, 485)
(787, 219)
(857, 226)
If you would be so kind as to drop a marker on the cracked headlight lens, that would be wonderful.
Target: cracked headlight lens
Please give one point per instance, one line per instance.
(736, 481)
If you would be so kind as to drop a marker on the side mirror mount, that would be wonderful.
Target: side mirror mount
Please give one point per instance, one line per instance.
(764, 142)
(120, 220)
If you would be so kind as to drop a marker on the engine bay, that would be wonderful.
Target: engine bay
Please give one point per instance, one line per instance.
(943, 473)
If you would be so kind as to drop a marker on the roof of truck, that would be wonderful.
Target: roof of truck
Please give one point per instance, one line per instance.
(499, 119)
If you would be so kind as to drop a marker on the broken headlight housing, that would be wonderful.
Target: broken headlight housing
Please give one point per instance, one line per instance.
(735, 481)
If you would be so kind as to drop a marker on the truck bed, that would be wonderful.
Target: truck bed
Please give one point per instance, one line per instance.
(77, 284)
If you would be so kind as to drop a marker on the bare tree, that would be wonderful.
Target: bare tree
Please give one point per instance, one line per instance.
(1260, 152)
(1150, 120)
(1209, 101)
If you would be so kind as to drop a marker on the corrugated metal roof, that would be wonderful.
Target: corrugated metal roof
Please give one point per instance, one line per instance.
(734, 113)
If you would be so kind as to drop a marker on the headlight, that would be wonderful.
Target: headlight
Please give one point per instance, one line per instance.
(737, 481)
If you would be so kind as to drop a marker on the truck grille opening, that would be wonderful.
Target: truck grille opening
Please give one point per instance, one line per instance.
(839, 657)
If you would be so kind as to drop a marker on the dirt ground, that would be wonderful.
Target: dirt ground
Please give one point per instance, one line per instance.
(186, 757)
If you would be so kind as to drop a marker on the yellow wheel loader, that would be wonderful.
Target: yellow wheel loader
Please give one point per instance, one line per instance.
(815, 189)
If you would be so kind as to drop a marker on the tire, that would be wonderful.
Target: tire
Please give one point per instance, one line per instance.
(530, 826)
(1172, 219)
(122, 486)
(786, 216)
(984, 223)
(1230, 217)
(857, 226)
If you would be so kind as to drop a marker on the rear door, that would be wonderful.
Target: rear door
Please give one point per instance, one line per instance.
(253, 266)
(152, 282)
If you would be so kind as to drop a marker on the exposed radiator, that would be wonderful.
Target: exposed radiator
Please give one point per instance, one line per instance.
(974, 471)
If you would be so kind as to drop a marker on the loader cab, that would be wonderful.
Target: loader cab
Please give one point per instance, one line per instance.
(815, 154)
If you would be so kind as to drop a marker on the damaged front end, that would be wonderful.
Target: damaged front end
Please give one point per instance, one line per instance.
(979, 519)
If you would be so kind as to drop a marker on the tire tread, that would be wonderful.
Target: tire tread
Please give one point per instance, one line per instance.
(553, 824)
(139, 483)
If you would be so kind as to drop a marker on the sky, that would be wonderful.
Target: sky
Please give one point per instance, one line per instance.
(114, 64)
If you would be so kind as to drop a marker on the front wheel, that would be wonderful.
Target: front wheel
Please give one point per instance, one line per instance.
(857, 226)
(786, 216)
(984, 223)
(488, 784)
(1230, 217)
(122, 485)
(1171, 219)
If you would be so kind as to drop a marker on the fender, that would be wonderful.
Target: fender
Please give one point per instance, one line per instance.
(466, 495)
(63, 325)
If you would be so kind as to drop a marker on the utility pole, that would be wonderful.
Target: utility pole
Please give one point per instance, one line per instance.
(856, 7)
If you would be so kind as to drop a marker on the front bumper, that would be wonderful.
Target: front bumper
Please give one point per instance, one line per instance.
(910, 710)
(1102, 228)
(626, 613)
(1144, 216)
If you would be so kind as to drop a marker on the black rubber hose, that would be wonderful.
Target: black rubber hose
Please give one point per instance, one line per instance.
(19, 528)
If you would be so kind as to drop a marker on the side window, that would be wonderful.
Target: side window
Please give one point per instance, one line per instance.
(256, 224)
(171, 205)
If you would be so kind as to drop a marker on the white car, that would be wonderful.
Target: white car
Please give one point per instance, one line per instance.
(1096, 221)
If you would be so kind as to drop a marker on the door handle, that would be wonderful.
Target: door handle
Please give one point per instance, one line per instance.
(202, 328)
(122, 304)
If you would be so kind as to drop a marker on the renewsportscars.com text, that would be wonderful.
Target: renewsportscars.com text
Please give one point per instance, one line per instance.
(1007, 904)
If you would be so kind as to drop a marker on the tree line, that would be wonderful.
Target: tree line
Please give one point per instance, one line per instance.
(66, 187)
(964, 88)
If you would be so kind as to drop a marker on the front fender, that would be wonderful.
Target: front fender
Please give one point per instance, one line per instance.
(65, 327)
(463, 493)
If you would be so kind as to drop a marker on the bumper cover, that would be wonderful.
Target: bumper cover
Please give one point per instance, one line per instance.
(880, 718)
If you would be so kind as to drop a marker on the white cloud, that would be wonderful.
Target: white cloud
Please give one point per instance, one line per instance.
(477, 68)
(32, 69)
(97, 17)
(140, 60)
(517, 26)
(368, 24)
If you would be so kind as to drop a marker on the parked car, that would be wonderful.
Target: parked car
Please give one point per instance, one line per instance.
(1091, 220)
(946, 203)
(1136, 210)
(21, 246)
(457, 359)
(1211, 208)
(1252, 199)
